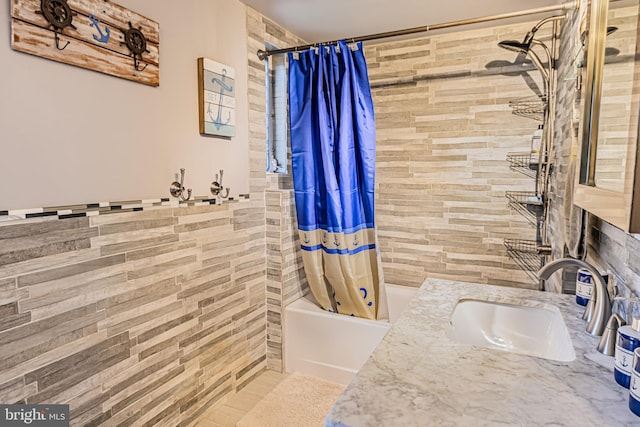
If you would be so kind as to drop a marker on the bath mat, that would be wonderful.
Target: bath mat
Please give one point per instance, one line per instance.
(298, 401)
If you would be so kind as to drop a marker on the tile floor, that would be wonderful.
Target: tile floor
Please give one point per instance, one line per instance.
(230, 411)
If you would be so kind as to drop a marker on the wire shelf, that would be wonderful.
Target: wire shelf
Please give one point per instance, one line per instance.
(532, 107)
(528, 255)
(526, 203)
(523, 163)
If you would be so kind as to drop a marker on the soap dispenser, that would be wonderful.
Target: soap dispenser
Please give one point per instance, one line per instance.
(627, 341)
(634, 387)
(584, 286)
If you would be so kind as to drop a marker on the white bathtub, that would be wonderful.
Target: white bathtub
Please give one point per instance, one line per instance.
(331, 346)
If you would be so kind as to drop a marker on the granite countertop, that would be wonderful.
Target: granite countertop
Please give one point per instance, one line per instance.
(418, 376)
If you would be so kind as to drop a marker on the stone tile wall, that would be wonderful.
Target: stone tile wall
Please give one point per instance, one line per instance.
(261, 30)
(133, 318)
(566, 145)
(444, 127)
(286, 280)
(285, 276)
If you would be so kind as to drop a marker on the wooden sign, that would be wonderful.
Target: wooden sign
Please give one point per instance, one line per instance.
(97, 35)
(216, 98)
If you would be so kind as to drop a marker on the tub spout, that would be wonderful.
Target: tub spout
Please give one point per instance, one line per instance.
(600, 302)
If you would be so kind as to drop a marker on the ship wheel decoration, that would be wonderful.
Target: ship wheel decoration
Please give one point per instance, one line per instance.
(137, 44)
(59, 15)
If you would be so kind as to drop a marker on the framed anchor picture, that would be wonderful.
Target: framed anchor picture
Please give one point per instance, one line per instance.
(216, 98)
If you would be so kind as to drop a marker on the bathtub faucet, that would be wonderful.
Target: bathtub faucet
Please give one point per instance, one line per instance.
(599, 303)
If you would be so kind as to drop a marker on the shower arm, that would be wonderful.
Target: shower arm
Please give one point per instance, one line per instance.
(550, 60)
(544, 21)
(540, 67)
(529, 39)
(534, 57)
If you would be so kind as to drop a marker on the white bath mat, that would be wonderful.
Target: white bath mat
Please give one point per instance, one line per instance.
(298, 401)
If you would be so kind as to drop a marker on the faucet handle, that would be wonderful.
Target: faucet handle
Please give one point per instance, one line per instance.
(607, 344)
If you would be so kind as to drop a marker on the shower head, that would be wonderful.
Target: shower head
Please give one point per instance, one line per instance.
(611, 30)
(515, 46)
(524, 47)
(524, 50)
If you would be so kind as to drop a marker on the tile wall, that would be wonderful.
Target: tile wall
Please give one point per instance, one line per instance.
(565, 147)
(286, 280)
(133, 317)
(444, 128)
(285, 276)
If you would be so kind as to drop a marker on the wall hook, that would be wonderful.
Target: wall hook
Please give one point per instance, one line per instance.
(136, 64)
(137, 44)
(59, 15)
(177, 189)
(216, 187)
(57, 38)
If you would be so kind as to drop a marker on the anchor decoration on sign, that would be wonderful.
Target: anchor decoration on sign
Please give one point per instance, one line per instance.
(324, 238)
(137, 44)
(356, 242)
(624, 363)
(305, 238)
(59, 15)
(223, 87)
(103, 37)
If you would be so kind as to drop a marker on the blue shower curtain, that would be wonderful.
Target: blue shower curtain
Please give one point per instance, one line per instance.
(333, 157)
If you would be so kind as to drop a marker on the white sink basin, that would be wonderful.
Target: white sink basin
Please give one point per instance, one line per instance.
(534, 331)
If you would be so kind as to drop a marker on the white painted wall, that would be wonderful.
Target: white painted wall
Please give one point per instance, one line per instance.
(69, 135)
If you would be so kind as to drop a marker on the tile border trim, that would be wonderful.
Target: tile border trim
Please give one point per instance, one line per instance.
(103, 208)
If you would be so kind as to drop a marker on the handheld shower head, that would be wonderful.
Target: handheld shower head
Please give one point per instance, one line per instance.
(515, 46)
(524, 49)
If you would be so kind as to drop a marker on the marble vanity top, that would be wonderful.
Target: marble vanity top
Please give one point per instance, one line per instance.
(418, 376)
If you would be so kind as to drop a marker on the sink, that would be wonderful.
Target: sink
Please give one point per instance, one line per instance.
(534, 331)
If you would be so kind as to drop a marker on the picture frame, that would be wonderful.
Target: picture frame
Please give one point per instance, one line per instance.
(216, 98)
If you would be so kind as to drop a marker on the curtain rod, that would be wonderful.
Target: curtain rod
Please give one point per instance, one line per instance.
(572, 5)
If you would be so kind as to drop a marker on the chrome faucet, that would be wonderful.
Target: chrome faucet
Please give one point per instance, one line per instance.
(599, 304)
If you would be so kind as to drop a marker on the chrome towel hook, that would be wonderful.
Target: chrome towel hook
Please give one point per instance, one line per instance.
(216, 187)
(177, 188)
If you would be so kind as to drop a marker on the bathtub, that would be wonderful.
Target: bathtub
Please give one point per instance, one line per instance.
(335, 347)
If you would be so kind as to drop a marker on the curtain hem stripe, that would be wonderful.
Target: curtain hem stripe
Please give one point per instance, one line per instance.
(338, 251)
